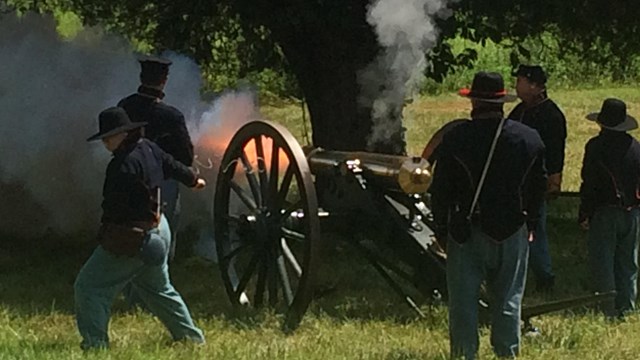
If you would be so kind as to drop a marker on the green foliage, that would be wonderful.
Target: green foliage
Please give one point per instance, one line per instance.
(490, 57)
(566, 65)
(233, 45)
(69, 24)
(327, 43)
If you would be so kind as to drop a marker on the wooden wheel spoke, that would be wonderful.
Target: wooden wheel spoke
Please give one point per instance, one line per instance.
(244, 197)
(251, 178)
(235, 252)
(273, 282)
(288, 254)
(293, 235)
(262, 169)
(284, 280)
(251, 268)
(284, 188)
(258, 297)
(274, 169)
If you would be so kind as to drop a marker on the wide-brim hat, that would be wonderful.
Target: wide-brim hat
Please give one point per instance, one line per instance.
(113, 121)
(488, 87)
(613, 116)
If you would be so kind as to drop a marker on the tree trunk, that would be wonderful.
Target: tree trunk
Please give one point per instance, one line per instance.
(327, 49)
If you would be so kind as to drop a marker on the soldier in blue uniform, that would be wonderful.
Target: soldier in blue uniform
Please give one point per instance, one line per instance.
(488, 241)
(134, 237)
(539, 112)
(610, 196)
(165, 126)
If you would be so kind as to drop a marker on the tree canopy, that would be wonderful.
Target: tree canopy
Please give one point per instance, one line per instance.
(326, 44)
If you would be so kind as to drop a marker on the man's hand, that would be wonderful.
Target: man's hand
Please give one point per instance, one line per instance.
(554, 185)
(531, 236)
(200, 184)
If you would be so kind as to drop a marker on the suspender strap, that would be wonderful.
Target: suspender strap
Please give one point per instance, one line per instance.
(486, 167)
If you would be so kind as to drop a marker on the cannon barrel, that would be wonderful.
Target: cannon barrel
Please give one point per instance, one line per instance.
(411, 175)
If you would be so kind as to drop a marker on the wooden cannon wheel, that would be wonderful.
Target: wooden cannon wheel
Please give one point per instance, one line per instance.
(266, 221)
(437, 137)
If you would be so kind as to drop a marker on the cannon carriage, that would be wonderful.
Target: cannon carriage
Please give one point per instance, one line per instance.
(272, 200)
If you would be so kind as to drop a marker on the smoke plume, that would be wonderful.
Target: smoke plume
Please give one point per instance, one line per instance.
(406, 30)
(51, 92)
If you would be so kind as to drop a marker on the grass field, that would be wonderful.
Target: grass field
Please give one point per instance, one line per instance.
(363, 319)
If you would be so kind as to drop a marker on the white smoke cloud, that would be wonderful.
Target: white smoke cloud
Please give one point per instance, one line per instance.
(51, 92)
(406, 30)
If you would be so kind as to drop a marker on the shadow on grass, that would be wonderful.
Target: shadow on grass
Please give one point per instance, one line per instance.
(37, 277)
(361, 294)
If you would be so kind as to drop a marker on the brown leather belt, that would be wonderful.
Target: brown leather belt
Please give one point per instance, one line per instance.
(124, 239)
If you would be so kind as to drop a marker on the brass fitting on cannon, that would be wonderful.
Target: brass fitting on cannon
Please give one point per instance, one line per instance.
(414, 176)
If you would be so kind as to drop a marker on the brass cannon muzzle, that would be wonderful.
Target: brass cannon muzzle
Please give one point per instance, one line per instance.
(411, 175)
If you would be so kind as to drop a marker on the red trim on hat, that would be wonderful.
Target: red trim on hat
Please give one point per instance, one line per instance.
(466, 92)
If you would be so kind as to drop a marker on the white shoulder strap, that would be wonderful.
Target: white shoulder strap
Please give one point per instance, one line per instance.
(486, 167)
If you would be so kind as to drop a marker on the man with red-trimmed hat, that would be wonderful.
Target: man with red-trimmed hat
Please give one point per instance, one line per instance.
(610, 206)
(488, 185)
(134, 236)
(538, 111)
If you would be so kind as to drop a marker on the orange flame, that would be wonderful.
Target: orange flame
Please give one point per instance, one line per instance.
(213, 147)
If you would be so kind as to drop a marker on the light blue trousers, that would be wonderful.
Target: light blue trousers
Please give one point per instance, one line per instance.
(539, 257)
(613, 256)
(104, 275)
(503, 265)
(170, 198)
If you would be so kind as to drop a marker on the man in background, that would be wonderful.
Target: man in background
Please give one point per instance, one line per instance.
(165, 126)
(540, 113)
(609, 206)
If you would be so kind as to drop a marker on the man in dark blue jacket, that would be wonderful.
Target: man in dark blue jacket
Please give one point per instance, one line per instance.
(610, 197)
(134, 236)
(490, 242)
(165, 126)
(538, 111)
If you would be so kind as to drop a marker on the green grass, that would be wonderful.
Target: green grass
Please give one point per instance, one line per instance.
(362, 319)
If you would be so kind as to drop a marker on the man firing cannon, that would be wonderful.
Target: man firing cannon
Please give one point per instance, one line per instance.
(134, 237)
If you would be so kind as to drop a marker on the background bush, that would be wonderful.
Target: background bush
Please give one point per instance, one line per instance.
(568, 65)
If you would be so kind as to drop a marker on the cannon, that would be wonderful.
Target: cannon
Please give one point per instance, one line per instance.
(272, 199)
